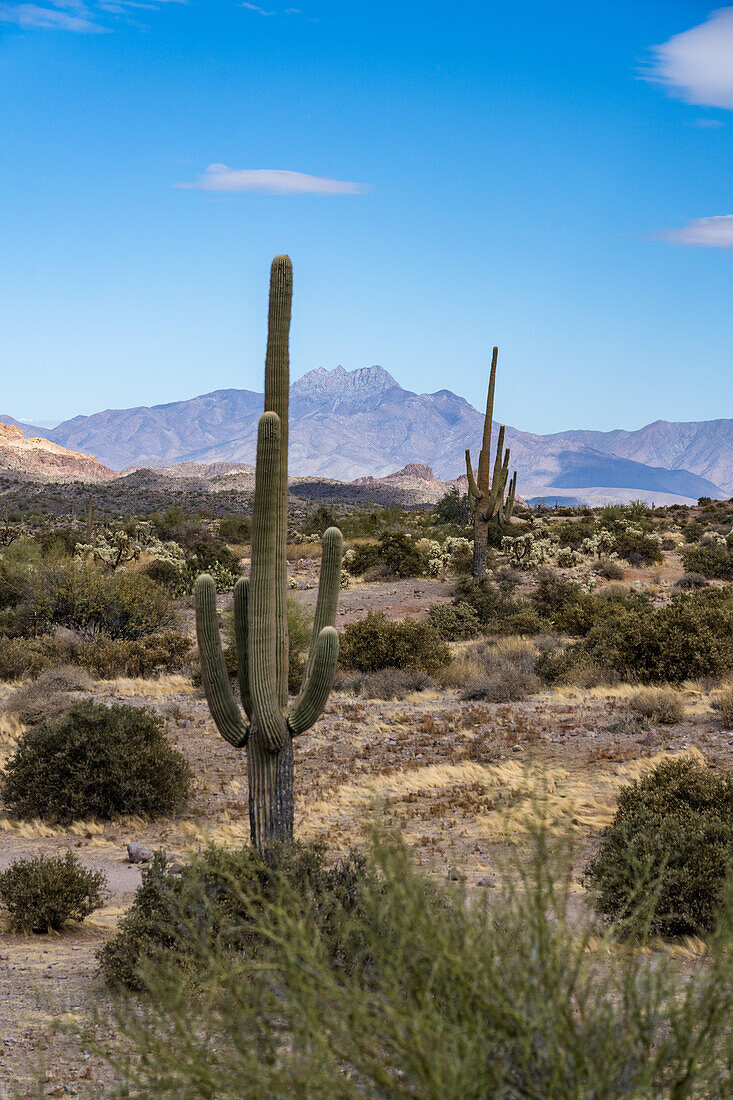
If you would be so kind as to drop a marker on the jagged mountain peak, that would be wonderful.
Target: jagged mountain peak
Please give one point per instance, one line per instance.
(352, 385)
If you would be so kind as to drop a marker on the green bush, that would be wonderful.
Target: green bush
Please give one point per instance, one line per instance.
(86, 599)
(454, 509)
(237, 529)
(96, 761)
(219, 899)
(455, 622)
(376, 642)
(496, 609)
(664, 860)
(714, 562)
(396, 555)
(44, 893)
(689, 638)
(515, 999)
(24, 657)
(108, 658)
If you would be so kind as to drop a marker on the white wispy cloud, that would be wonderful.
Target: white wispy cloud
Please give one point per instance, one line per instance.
(75, 15)
(273, 181)
(697, 64)
(714, 232)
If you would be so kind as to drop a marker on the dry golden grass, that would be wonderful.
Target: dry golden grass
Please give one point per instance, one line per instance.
(11, 728)
(297, 551)
(722, 702)
(158, 688)
(659, 704)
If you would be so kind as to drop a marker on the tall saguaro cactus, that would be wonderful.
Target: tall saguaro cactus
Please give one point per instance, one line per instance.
(491, 509)
(268, 727)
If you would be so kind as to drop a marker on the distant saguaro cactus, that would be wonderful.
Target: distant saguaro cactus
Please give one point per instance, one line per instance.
(491, 510)
(261, 614)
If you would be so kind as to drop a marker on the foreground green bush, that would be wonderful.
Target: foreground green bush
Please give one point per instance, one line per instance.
(96, 761)
(44, 893)
(663, 862)
(377, 642)
(220, 899)
(513, 999)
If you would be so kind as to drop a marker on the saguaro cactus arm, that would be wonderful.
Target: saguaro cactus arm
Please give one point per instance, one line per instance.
(262, 640)
(223, 706)
(241, 632)
(309, 705)
(472, 486)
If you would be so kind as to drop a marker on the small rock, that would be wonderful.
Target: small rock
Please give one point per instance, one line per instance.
(138, 853)
(516, 748)
(175, 868)
(455, 875)
(488, 882)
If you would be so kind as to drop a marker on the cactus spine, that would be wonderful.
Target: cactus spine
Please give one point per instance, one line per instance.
(491, 509)
(267, 727)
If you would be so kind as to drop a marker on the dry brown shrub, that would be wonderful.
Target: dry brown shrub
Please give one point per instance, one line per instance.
(724, 706)
(659, 704)
(49, 695)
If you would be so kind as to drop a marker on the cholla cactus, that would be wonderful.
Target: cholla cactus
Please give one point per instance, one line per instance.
(599, 544)
(487, 492)
(268, 727)
(527, 552)
(567, 558)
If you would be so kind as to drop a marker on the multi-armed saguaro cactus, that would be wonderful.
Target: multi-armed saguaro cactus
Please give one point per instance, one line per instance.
(488, 492)
(261, 612)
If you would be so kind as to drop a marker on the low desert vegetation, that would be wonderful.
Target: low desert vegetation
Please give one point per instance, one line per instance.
(658, 704)
(45, 893)
(318, 987)
(375, 642)
(96, 762)
(664, 864)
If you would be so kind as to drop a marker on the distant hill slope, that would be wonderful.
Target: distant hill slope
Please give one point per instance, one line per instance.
(351, 424)
(704, 447)
(39, 458)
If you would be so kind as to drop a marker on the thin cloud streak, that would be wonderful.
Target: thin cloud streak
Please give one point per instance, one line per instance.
(272, 181)
(697, 65)
(716, 232)
(75, 15)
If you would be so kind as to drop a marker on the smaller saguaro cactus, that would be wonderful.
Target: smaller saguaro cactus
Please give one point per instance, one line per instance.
(487, 490)
(268, 727)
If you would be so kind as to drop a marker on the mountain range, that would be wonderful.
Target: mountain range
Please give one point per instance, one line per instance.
(352, 424)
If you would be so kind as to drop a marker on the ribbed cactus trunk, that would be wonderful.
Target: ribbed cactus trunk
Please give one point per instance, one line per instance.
(487, 492)
(261, 612)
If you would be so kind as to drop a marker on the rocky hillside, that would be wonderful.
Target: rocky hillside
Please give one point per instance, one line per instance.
(348, 425)
(40, 458)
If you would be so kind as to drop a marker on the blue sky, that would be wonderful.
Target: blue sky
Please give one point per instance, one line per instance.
(554, 178)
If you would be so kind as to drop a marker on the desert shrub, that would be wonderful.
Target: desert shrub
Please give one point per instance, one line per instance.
(219, 899)
(509, 685)
(564, 604)
(714, 561)
(235, 529)
(662, 705)
(723, 704)
(108, 658)
(396, 555)
(44, 893)
(690, 581)
(167, 574)
(47, 696)
(689, 638)
(514, 1000)
(496, 609)
(664, 860)
(96, 761)
(572, 533)
(391, 683)
(300, 624)
(375, 643)
(454, 509)
(638, 547)
(23, 657)
(454, 622)
(85, 599)
(610, 569)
